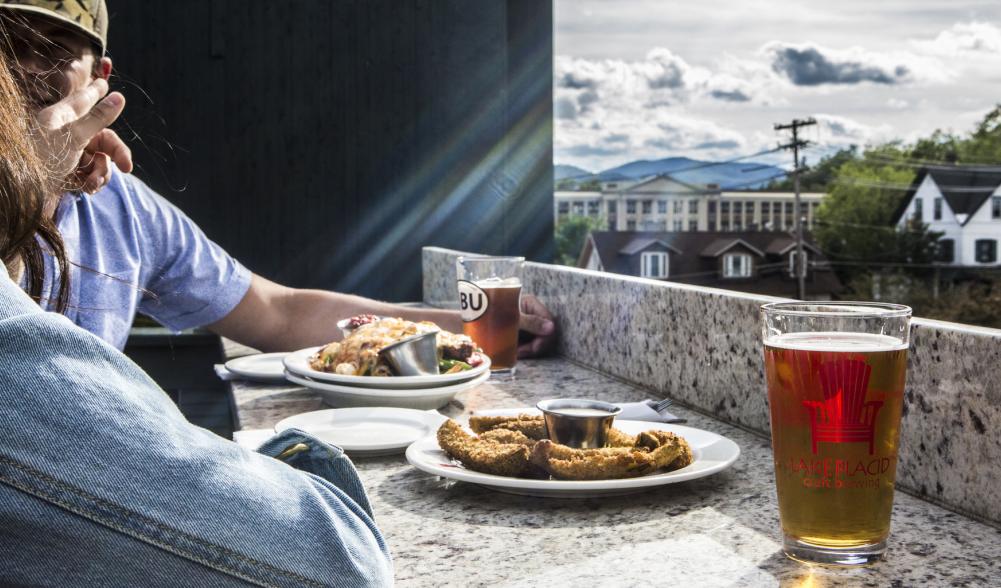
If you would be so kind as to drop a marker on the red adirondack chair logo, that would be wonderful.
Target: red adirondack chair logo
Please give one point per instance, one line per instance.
(843, 416)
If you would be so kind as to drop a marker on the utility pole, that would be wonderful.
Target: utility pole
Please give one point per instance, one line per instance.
(800, 267)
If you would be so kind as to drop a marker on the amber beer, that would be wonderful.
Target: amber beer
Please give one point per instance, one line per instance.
(495, 307)
(490, 305)
(836, 401)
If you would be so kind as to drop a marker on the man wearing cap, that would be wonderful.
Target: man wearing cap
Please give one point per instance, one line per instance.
(132, 251)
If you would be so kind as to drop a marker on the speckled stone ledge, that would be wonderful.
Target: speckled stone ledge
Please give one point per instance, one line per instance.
(702, 346)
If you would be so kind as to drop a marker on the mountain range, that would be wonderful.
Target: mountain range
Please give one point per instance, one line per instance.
(729, 175)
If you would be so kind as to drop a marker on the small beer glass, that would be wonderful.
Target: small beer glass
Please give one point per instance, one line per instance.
(490, 304)
(835, 374)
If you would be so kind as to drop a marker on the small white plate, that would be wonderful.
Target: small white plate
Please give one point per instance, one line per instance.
(366, 432)
(713, 453)
(298, 363)
(266, 367)
(417, 398)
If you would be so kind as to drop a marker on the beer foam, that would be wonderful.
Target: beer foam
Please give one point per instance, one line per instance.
(833, 341)
(499, 283)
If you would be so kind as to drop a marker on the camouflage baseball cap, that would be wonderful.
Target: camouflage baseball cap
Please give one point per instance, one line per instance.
(89, 17)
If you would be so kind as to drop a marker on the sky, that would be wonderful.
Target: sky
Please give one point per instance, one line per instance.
(708, 79)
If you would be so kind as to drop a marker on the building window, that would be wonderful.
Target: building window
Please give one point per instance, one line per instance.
(777, 211)
(766, 211)
(578, 208)
(736, 265)
(918, 209)
(647, 206)
(946, 251)
(592, 208)
(662, 206)
(937, 209)
(724, 208)
(996, 207)
(677, 207)
(738, 208)
(631, 225)
(724, 224)
(612, 207)
(749, 215)
(611, 225)
(654, 264)
(676, 225)
(737, 224)
(693, 225)
(693, 206)
(563, 207)
(792, 263)
(611, 186)
(630, 207)
(986, 251)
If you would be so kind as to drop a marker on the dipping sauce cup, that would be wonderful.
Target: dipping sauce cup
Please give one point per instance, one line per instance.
(578, 423)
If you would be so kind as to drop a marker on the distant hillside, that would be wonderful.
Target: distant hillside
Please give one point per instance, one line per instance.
(742, 175)
(562, 172)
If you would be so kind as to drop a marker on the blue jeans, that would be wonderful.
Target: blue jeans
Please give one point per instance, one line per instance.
(104, 483)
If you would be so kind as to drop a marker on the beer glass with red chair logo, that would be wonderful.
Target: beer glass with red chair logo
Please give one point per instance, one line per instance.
(835, 374)
(490, 305)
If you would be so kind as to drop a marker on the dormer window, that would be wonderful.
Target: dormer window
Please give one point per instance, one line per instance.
(918, 209)
(938, 209)
(996, 207)
(654, 264)
(736, 265)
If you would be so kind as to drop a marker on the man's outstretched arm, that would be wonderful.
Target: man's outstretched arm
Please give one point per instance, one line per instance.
(272, 317)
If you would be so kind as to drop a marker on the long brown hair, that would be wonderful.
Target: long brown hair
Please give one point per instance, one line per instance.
(26, 232)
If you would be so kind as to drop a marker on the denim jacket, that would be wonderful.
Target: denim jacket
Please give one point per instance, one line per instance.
(104, 483)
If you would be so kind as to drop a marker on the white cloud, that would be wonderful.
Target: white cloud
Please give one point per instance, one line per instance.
(841, 131)
(961, 39)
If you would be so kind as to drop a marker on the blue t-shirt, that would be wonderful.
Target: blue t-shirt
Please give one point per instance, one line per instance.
(130, 250)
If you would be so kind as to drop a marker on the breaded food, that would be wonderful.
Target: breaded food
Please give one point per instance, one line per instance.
(533, 427)
(656, 439)
(489, 457)
(507, 436)
(609, 463)
(617, 438)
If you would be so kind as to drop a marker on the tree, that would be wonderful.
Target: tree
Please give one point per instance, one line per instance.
(855, 222)
(571, 233)
(817, 178)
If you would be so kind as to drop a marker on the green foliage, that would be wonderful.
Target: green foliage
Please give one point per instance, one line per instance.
(571, 233)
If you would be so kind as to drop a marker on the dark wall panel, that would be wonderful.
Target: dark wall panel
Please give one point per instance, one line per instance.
(323, 142)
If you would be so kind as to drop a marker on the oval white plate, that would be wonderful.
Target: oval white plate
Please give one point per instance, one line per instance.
(366, 432)
(417, 398)
(266, 367)
(713, 453)
(298, 363)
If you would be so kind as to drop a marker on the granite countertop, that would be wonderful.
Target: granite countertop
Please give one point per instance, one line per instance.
(717, 531)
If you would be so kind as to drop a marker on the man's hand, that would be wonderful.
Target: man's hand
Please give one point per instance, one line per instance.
(537, 322)
(73, 140)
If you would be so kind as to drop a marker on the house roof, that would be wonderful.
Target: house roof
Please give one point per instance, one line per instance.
(618, 251)
(721, 246)
(668, 177)
(637, 245)
(964, 188)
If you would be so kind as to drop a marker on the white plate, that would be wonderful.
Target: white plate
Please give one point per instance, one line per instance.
(417, 398)
(366, 432)
(298, 363)
(713, 453)
(267, 367)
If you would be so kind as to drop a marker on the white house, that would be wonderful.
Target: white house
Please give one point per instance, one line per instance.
(963, 203)
(662, 203)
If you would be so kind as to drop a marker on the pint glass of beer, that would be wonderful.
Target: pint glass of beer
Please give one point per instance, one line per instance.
(489, 301)
(835, 375)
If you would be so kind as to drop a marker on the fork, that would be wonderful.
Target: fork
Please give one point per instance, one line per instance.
(662, 405)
